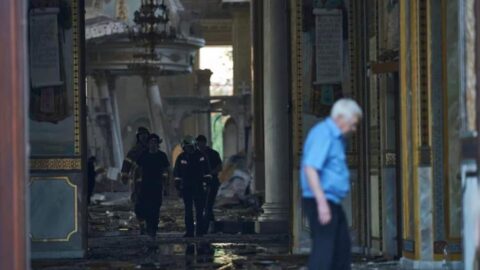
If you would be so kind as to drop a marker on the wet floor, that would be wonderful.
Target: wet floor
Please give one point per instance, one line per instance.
(114, 243)
(192, 255)
(122, 254)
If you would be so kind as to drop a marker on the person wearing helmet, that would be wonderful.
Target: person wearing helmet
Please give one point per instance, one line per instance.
(91, 175)
(191, 172)
(131, 173)
(215, 166)
(155, 166)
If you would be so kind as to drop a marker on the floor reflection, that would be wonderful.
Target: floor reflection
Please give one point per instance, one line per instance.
(201, 254)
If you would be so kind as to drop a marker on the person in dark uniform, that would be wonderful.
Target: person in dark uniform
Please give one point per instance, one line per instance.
(131, 173)
(154, 165)
(191, 173)
(215, 166)
(92, 174)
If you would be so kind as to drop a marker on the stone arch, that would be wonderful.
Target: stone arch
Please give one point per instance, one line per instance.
(230, 138)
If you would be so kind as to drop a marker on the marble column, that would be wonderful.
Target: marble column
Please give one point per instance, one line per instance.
(105, 94)
(116, 116)
(276, 123)
(156, 112)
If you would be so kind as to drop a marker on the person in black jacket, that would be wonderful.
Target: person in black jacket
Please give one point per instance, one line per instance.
(92, 174)
(191, 173)
(131, 172)
(155, 166)
(215, 165)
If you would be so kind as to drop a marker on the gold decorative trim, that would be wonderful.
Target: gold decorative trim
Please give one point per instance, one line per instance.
(297, 83)
(301, 224)
(75, 214)
(424, 74)
(404, 25)
(56, 164)
(76, 76)
(415, 118)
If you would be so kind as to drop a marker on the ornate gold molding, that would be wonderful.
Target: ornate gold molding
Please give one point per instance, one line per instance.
(297, 81)
(56, 164)
(75, 203)
(301, 224)
(405, 119)
(424, 77)
(76, 76)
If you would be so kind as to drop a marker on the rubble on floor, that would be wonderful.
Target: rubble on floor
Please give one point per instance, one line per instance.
(113, 215)
(114, 243)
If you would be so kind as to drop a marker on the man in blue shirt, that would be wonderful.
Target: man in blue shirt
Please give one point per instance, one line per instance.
(325, 181)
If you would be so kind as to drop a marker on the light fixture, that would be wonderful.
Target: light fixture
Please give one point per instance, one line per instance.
(151, 28)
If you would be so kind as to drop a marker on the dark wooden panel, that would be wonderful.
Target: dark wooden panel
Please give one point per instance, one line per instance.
(385, 67)
(13, 173)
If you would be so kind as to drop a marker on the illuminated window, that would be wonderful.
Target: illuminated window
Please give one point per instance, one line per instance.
(219, 59)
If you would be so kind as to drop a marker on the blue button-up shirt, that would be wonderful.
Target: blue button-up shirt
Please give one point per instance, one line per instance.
(324, 150)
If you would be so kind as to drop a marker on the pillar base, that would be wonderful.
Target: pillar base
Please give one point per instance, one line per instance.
(426, 265)
(272, 227)
(274, 211)
(274, 219)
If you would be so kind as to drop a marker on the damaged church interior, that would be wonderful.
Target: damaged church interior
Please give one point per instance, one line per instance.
(83, 79)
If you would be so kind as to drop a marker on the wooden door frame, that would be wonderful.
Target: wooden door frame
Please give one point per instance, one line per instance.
(13, 150)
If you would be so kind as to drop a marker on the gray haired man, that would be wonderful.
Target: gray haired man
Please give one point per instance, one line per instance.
(325, 181)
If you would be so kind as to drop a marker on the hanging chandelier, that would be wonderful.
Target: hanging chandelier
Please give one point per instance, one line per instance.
(151, 28)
